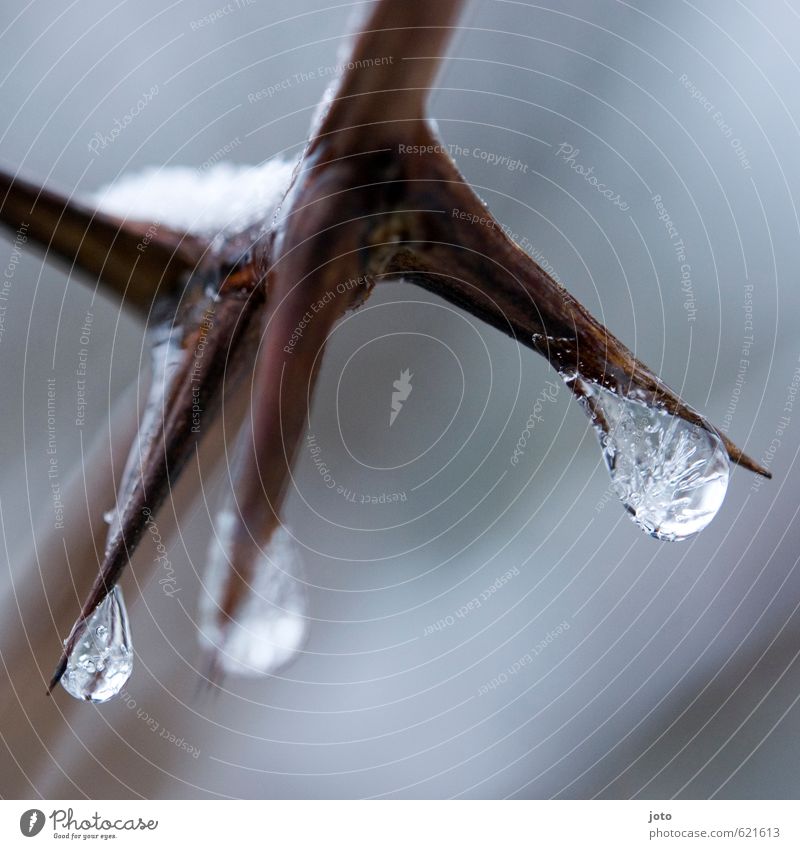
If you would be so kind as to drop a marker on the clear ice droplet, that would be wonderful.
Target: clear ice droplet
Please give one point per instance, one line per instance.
(102, 660)
(271, 625)
(670, 474)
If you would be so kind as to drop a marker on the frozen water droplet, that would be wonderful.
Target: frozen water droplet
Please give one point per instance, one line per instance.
(670, 474)
(102, 660)
(270, 626)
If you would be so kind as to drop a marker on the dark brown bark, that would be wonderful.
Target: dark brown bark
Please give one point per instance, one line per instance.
(375, 197)
(138, 261)
(214, 334)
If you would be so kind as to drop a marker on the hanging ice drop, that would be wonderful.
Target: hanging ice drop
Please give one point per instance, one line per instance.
(270, 625)
(670, 474)
(102, 660)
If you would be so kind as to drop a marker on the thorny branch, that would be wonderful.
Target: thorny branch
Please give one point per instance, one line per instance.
(360, 210)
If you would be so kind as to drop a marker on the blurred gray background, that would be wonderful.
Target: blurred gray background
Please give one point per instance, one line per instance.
(678, 672)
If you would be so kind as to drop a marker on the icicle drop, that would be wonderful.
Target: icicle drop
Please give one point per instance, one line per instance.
(102, 660)
(270, 625)
(670, 474)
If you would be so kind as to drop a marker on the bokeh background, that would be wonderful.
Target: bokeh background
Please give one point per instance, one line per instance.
(598, 662)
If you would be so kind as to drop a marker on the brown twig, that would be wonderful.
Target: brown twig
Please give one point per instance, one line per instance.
(374, 197)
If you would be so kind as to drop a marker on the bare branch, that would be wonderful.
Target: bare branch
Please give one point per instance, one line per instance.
(135, 260)
(431, 228)
(205, 347)
(391, 67)
(375, 195)
(316, 275)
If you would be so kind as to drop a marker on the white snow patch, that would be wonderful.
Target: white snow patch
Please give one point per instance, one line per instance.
(223, 199)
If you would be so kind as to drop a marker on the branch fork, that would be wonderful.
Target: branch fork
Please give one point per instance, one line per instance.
(374, 197)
